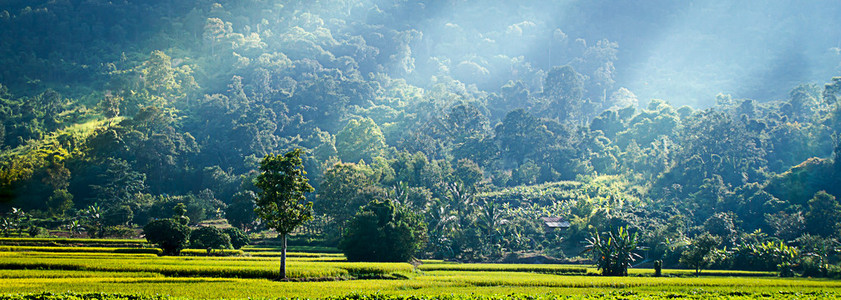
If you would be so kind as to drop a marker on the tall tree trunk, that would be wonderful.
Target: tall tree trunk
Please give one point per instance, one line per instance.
(283, 258)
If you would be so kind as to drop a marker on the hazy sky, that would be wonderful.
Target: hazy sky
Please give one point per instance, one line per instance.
(684, 52)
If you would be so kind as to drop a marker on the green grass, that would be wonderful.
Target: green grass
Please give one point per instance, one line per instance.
(307, 249)
(83, 249)
(548, 268)
(435, 283)
(228, 267)
(625, 295)
(6, 274)
(214, 252)
(21, 241)
(239, 277)
(568, 269)
(296, 254)
(547, 280)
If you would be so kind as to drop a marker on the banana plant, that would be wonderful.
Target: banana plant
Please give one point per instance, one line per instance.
(613, 253)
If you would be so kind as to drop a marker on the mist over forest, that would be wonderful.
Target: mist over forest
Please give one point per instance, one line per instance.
(674, 119)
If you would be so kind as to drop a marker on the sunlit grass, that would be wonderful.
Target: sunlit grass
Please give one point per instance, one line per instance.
(33, 274)
(428, 283)
(63, 241)
(547, 280)
(82, 249)
(238, 277)
(296, 254)
(314, 250)
(547, 268)
(234, 267)
(576, 269)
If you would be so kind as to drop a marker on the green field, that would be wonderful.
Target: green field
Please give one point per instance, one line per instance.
(27, 271)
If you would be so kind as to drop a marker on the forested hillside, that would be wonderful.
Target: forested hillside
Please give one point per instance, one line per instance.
(482, 117)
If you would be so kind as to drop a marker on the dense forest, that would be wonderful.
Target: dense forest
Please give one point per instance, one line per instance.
(481, 117)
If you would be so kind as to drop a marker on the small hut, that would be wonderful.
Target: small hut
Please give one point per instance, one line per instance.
(557, 223)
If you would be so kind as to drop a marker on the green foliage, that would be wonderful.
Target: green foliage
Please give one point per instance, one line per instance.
(542, 194)
(209, 237)
(238, 238)
(283, 185)
(169, 234)
(700, 252)
(800, 183)
(817, 253)
(613, 253)
(360, 140)
(766, 256)
(383, 231)
(345, 188)
(240, 213)
(721, 225)
(564, 90)
(823, 215)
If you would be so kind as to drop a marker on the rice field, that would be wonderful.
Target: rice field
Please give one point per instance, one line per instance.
(226, 267)
(27, 273)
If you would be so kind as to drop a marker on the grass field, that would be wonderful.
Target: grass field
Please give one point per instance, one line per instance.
(25, 273)
(228, 267)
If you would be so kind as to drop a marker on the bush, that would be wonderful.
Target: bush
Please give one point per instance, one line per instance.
(238, 238)
(383, 231)
(34, 231)
(170, 235)
(209, 238)
(613, 253)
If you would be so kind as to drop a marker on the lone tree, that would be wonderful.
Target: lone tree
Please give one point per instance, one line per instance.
(280, 204)
(698, 255)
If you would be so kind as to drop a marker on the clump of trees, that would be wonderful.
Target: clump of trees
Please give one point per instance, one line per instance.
(383, 231)
(169, 234)
(209, 237)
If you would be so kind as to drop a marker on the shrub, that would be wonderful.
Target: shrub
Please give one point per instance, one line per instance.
(383, 231)
(209, 237)
(35, 231)
(614, 253)
(170, 235)
(238, 238)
